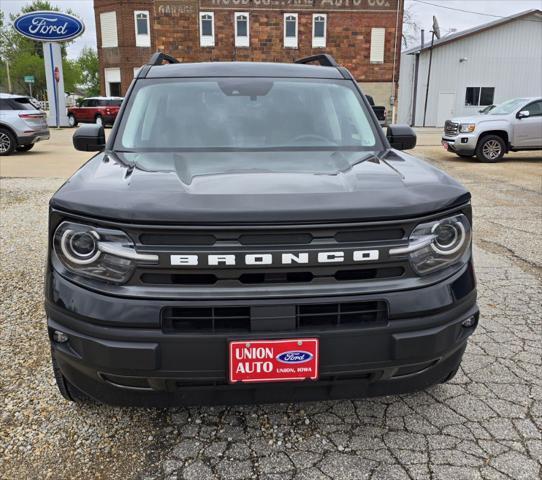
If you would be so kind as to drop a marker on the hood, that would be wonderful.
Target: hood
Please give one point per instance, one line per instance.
(479, 118)
(257, 187)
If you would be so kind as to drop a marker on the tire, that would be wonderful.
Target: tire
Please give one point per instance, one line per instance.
(25, 148)
(490, 149)
(8, 143)
(99, 120)
(66, 389)
(72, 121)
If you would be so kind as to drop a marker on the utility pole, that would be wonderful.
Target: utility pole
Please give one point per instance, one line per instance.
(434, 33)
(7, 61)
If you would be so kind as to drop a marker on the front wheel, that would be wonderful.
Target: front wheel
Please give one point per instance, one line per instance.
(490, 149)
(25, 148)
(99, 120)
(7, 142)
(72, 122)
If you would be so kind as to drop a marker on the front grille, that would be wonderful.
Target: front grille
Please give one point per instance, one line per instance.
(274, 240)
(242, 277)
(214, 319)
(304, 317)
(451, 128)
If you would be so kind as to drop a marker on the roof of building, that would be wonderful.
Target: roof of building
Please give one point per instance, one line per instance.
(243, 69)
(475, 30)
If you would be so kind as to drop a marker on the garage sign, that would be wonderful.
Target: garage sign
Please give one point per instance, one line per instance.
(49, 26)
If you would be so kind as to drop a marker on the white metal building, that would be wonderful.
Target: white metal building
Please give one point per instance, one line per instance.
(472, 69)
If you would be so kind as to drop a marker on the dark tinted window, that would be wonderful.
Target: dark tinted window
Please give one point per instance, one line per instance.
(103, 103)
(241, 26)
(4, 105)
(142, 28)
(472, 96)
(21, 103)
(92, 103)
(114, 89)
(319, 27)
(114, 103)
(479, 96)
(291, 24)
(487, 95)
(207, 25)
(535, 109)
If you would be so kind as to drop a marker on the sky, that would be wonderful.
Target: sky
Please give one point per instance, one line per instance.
(449, 19)
(489, 10)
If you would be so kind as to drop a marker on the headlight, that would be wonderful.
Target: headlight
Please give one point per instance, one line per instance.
(467, 127)
(437, 244)
(101, 253)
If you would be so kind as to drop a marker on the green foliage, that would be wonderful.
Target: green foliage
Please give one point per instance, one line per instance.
(25, 57)
(89, 68)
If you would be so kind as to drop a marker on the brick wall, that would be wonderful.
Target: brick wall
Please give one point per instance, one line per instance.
(175, 30)
(126, 56)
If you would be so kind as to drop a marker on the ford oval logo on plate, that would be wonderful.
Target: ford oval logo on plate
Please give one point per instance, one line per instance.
(49, 26)
(294, 356)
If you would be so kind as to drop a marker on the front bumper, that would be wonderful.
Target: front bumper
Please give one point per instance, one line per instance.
(420, 344)
(464, 143)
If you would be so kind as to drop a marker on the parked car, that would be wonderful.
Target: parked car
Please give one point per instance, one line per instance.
(249, 234)
(512, 126)
(380, 112)
(486, 110)
(22, 123)
(99, 110)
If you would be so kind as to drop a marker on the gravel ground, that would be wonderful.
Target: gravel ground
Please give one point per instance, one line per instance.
(486, 424)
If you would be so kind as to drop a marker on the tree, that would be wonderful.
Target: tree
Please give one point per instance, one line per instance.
(25, 57)
(89, 69)
(411, 28)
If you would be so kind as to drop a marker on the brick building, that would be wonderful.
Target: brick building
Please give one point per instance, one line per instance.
(363, 35)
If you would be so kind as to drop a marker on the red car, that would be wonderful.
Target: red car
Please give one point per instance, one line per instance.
(100, 110)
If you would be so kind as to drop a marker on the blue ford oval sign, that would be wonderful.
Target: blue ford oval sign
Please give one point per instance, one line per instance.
(294, 356)
(49, 26)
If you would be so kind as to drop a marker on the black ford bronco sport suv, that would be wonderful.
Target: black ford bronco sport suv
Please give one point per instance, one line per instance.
(247, 234)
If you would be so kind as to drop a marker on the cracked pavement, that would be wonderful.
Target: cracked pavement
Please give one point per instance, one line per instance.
(485, 424)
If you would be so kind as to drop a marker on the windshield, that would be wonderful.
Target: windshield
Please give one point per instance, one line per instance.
(222, 114)
(509, 106)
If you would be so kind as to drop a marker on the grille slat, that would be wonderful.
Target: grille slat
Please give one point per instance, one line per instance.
(451, 128)
(307, 317)
(241, 277)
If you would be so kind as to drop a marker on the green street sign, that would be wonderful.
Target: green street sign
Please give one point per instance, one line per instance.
(29, 79)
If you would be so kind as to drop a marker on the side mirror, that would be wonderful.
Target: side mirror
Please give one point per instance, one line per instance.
(401, 137)
(523, 114)
(89, 138)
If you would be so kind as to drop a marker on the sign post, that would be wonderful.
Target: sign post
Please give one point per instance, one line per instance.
(51, 28)
(29, 79)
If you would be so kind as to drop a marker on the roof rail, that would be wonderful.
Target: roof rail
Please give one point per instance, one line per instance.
(159, 57)
(323, 59)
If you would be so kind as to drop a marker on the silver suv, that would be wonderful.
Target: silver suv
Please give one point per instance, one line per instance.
(510, 127)
(22, 123)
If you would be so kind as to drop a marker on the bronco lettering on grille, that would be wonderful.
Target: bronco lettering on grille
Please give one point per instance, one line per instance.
(290, 258)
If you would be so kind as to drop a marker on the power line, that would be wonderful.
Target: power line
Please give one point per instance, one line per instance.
(466, 11)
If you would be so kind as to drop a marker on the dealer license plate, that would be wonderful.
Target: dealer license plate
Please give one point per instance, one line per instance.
(274, 360)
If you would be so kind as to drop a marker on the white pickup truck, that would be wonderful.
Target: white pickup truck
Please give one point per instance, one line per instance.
(510, 127)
